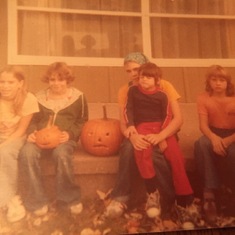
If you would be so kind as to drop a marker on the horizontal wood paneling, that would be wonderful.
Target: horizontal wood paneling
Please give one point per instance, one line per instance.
(101, 84)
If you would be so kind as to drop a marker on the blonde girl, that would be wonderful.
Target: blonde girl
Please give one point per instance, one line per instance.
(16, 109)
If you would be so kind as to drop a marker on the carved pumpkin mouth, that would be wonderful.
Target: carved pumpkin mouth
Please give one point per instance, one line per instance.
(45, 143)
(99, 146)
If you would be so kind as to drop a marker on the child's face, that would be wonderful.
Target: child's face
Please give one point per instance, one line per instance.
(218, 84)
(132, 69)
(147, 83)
(57, 84)
(9, 85)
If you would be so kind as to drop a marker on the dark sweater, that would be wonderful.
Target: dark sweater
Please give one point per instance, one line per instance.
(145, 106)
(70, 118)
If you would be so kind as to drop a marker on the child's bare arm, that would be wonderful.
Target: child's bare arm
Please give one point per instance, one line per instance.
(228, 140)
(216, 141)
(162, 145)
(130, 131)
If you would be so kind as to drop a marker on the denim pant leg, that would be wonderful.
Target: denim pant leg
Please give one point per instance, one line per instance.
(127, 165)
(34, 196)
(211, 178)
(199, 169)
(67, 190)
(199, 162)
(164, 180)
(9, 169)
(122, 188)
(230, 159)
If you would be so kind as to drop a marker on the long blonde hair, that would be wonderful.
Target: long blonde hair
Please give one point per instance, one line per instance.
(22, 92)
(218, 70)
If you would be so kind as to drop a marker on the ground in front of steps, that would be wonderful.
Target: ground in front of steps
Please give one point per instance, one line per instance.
(59, 221)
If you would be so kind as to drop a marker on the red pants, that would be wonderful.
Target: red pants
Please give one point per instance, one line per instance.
(172, 153)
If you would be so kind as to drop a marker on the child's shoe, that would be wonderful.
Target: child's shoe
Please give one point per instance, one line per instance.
(188, 216)
(210, 210)
(41, 211)
(16, 210)
(153, 208)
(209, 207)
(185, 218)
(115, 209)
(76, 209)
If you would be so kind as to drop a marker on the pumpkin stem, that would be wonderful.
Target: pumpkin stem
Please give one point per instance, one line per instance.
(104, 112)
(50, 121)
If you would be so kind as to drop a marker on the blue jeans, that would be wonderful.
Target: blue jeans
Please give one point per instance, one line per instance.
(127, 165)
(214, 169)
(66, 190)
(9, 169)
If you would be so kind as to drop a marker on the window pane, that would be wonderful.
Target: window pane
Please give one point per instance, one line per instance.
(213, 7)
(108, 5)
(59, 34)
(192, 38)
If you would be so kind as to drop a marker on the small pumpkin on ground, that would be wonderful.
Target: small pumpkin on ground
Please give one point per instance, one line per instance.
(102, 137)
(48, 137)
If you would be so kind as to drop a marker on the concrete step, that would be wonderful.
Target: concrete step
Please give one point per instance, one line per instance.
(92, 173)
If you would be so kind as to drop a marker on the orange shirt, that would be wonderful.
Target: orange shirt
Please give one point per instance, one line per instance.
(220, 111)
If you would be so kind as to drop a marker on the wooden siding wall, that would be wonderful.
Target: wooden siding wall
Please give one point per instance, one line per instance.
(101, 84)
(3, 32)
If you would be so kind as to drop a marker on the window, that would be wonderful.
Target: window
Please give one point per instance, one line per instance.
(200, 29)
(101, 32)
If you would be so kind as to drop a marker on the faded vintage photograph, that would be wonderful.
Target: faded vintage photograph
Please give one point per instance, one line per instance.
(117, 117)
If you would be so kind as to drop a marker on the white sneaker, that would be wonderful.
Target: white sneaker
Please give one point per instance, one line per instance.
(76, 209)
(41, 211)
(185, 218)
(115, 209)
(189, 216)
(152, 207)
(16, 210)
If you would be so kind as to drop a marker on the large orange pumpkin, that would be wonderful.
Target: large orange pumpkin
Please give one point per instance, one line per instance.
(102, 137)
(48, 137)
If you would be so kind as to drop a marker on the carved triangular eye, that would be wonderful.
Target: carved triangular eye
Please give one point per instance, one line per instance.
(90, 133)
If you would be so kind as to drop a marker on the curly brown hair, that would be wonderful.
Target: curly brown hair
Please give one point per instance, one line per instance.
(216, 71)
(61, 69)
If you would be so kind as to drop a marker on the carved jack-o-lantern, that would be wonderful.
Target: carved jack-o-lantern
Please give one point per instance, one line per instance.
(48, 137)
(101, 137)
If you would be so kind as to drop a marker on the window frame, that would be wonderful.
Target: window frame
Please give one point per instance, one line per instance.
(145, 14)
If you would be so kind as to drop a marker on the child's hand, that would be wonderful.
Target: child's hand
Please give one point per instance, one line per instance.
(64, 137)
(154, 139)
(130, 131)
(32, 137)
(227, 141)
(218, 146)
(162, 145)
(139, 142)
